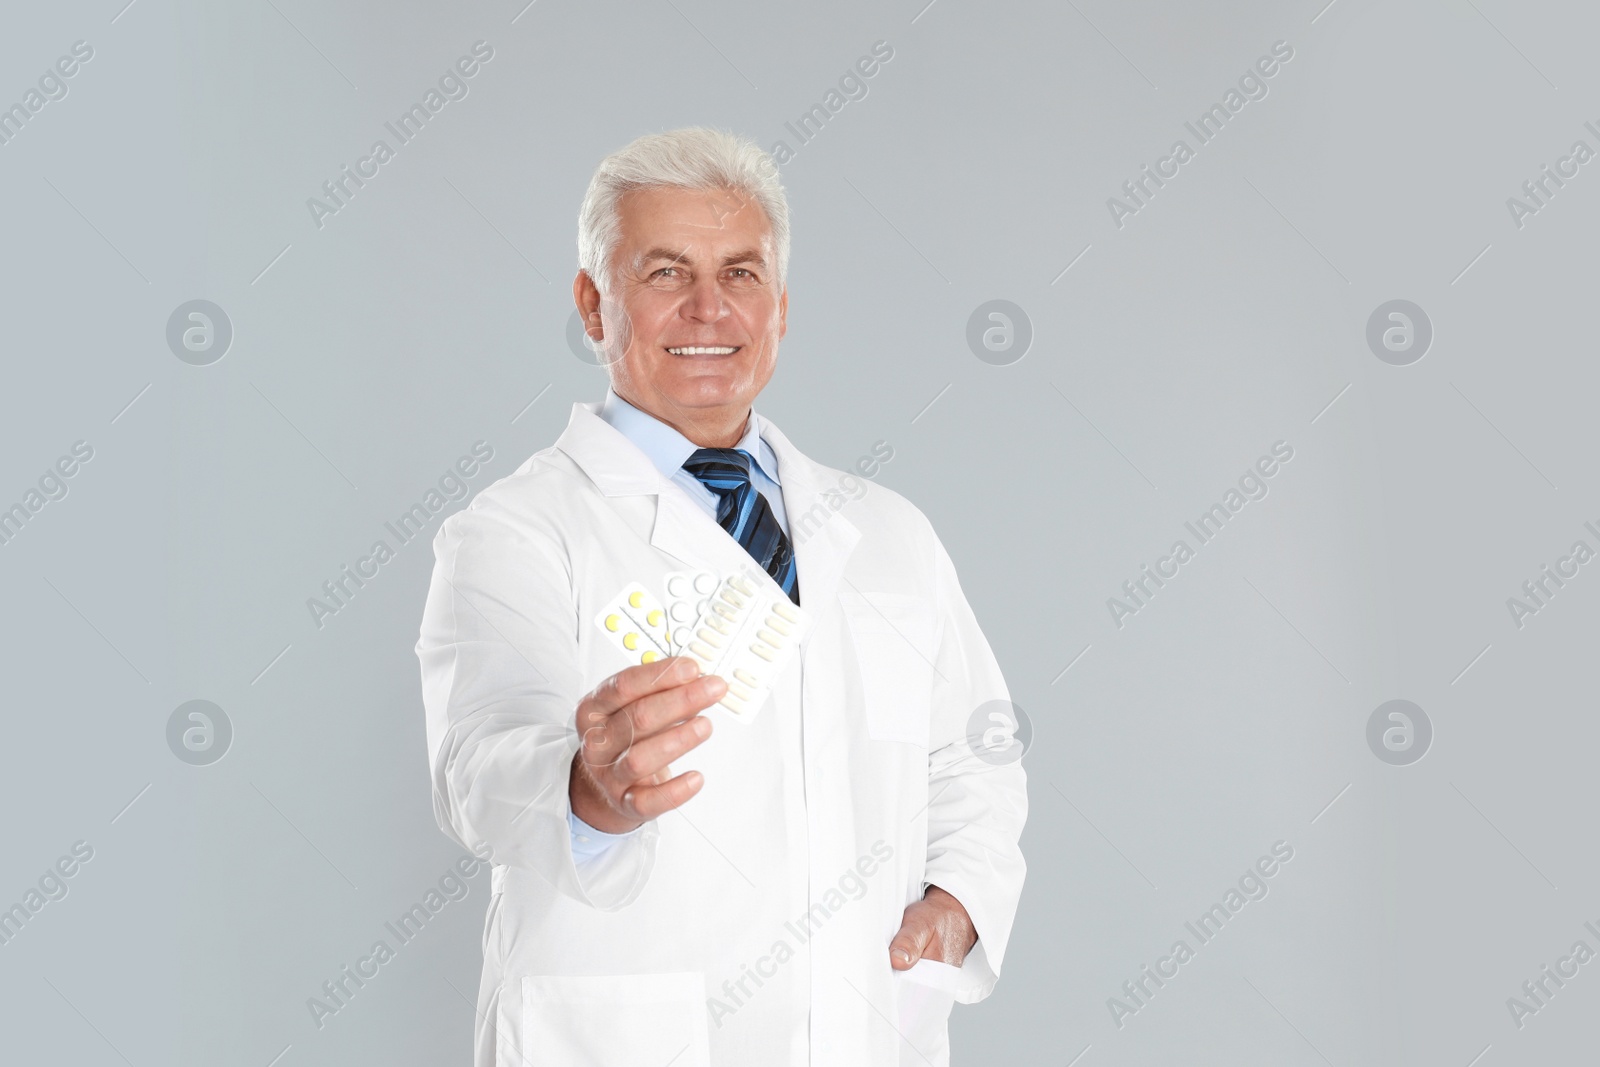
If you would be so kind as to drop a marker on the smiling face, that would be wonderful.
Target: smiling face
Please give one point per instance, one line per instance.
(691, 328)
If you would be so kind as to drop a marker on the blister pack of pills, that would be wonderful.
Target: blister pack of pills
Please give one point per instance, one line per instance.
(746, 634)
(636, 623)
(688, 597)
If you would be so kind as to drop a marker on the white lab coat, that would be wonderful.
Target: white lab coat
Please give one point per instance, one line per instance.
(751, 926)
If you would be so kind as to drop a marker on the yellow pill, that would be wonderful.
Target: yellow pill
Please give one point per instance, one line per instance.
(785, 610)
(746, 677)
(630, 640)
(708, 637)
(648, 657)
(613, 622)
(654, 617)
(769, 637)
(738, 690)
(739, 583)
(719, 624)
(778, 625)
(636, 598)
(763, 651)
(702, 651)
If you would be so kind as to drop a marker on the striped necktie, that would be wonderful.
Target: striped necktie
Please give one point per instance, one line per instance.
(745, 514)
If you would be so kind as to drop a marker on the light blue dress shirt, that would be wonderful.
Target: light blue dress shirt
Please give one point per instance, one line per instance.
(668, 450)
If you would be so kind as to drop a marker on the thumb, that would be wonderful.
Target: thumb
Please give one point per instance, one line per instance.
(911, 942)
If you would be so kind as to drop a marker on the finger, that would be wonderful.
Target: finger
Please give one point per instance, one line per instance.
(603, 739)
(648, 758)
(912, 942)
(604, 734)
(629, 685)
(667, 707)
(649, 801)
(623, 732)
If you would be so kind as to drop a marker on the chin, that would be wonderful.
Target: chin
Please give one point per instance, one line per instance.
(705, 395)
(702, 376)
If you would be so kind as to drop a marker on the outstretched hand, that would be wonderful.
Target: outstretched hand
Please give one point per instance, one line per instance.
(631, 727)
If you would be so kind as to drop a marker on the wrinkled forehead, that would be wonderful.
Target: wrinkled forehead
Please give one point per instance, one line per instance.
(653, 217)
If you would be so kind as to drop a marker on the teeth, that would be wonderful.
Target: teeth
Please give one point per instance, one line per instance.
(718, 350)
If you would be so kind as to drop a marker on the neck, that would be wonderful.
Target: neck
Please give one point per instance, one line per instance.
(719, 435)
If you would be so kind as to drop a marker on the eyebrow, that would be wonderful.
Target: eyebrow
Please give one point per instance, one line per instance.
(748, 255)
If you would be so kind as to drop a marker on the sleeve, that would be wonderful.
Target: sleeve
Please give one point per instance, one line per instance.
(587, 842)
(977, 785)
(500, 687)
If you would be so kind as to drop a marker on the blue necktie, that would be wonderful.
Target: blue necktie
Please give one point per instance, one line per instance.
(745, 514)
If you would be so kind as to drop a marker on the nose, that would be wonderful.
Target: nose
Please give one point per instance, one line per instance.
(703, 302)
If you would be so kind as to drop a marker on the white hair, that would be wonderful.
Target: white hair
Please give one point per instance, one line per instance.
(690, 158)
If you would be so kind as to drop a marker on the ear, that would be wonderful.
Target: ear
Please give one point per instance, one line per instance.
(587, 296)
(783, 313)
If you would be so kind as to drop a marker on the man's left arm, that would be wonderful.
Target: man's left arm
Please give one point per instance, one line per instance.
(978, 804)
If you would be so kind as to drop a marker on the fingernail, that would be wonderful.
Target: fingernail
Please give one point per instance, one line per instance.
(701, 727)
(902, 955)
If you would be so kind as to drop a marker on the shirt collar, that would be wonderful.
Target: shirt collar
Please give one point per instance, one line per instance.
(668, 449)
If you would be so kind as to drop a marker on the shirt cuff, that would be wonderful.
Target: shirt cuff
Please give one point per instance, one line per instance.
(587, 842)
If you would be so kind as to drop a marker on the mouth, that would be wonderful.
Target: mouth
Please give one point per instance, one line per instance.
(705, 350)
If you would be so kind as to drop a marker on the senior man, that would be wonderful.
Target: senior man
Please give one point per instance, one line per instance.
(812, 882)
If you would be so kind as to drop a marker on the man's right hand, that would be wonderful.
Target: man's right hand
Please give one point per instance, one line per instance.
(632, 726)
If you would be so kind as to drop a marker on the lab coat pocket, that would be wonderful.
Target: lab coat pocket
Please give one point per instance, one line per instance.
(894, 634)
(624, 1019)
(925, 995)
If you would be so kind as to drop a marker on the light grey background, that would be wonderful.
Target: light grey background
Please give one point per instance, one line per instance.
(430, 313)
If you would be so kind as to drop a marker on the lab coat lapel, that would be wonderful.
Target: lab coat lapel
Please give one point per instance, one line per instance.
(618, 468)
(821, 536)
(615, 465)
